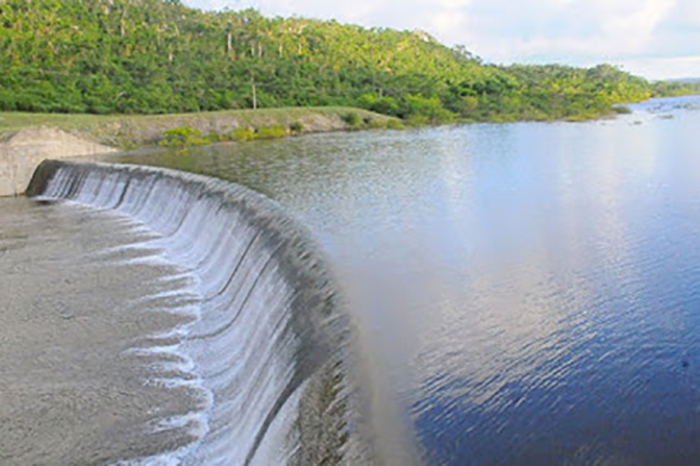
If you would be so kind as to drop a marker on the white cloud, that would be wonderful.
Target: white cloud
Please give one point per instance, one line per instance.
(664, 68)
(601, 28)
(686, 12)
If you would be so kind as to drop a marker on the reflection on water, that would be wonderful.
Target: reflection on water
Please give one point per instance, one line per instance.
(530, 289)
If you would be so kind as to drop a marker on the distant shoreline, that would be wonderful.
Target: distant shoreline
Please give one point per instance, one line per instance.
(128, 132)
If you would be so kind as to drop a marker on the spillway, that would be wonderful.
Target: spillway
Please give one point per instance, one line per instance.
(268, 345)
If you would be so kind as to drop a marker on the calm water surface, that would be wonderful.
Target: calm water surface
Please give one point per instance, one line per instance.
(529, 292)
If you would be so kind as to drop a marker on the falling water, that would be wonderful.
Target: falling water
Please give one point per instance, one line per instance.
(269, 342)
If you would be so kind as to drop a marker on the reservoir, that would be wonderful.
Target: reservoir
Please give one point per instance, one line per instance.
(521, 293)
(530, 291)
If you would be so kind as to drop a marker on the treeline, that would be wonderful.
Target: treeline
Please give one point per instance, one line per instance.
(158, 56)
(676, 88)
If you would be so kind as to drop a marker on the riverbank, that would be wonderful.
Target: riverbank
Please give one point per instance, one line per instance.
(26, 139)
(133, 131)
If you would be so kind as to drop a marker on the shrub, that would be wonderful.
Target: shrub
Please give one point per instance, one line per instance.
(199, 141)
(242, 134)
(352, 119)
(266, 132)
(213, 136)
(296, 128)
(427, 110)
(395, 124)
(417, 120)
(384, 104)
(271, 132)
(621, 109)
(179, 136)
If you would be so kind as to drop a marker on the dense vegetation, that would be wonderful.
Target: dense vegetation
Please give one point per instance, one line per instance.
(158, 56)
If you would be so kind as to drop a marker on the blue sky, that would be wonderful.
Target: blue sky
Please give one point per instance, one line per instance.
(653, 38)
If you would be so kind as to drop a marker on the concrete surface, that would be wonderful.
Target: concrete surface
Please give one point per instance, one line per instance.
(79, 294)
(23, 151)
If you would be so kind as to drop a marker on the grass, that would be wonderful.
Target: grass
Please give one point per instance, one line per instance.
(129, 131)
(13, 121)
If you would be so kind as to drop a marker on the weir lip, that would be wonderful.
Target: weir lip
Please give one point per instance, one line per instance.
(270, 343)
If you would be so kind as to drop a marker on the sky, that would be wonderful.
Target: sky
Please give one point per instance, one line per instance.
(657, 39)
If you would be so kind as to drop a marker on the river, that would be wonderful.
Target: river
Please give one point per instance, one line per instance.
(528, 292)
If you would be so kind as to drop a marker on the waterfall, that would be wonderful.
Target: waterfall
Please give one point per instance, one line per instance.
(270, 340)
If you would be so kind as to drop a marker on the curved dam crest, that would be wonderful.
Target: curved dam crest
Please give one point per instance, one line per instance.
(268, 346)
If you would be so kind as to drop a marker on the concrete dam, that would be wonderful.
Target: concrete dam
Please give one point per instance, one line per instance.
(253, 356)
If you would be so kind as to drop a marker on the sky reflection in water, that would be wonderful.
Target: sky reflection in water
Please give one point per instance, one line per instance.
(530, 289)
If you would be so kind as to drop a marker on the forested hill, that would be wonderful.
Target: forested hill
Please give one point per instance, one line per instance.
(158, 56)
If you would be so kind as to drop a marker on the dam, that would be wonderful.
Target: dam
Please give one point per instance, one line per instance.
(176, 319)
(522, 293)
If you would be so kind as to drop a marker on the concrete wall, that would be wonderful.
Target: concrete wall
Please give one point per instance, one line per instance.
(23, 151)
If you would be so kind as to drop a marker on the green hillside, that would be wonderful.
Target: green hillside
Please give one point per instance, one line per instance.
(158, 56)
